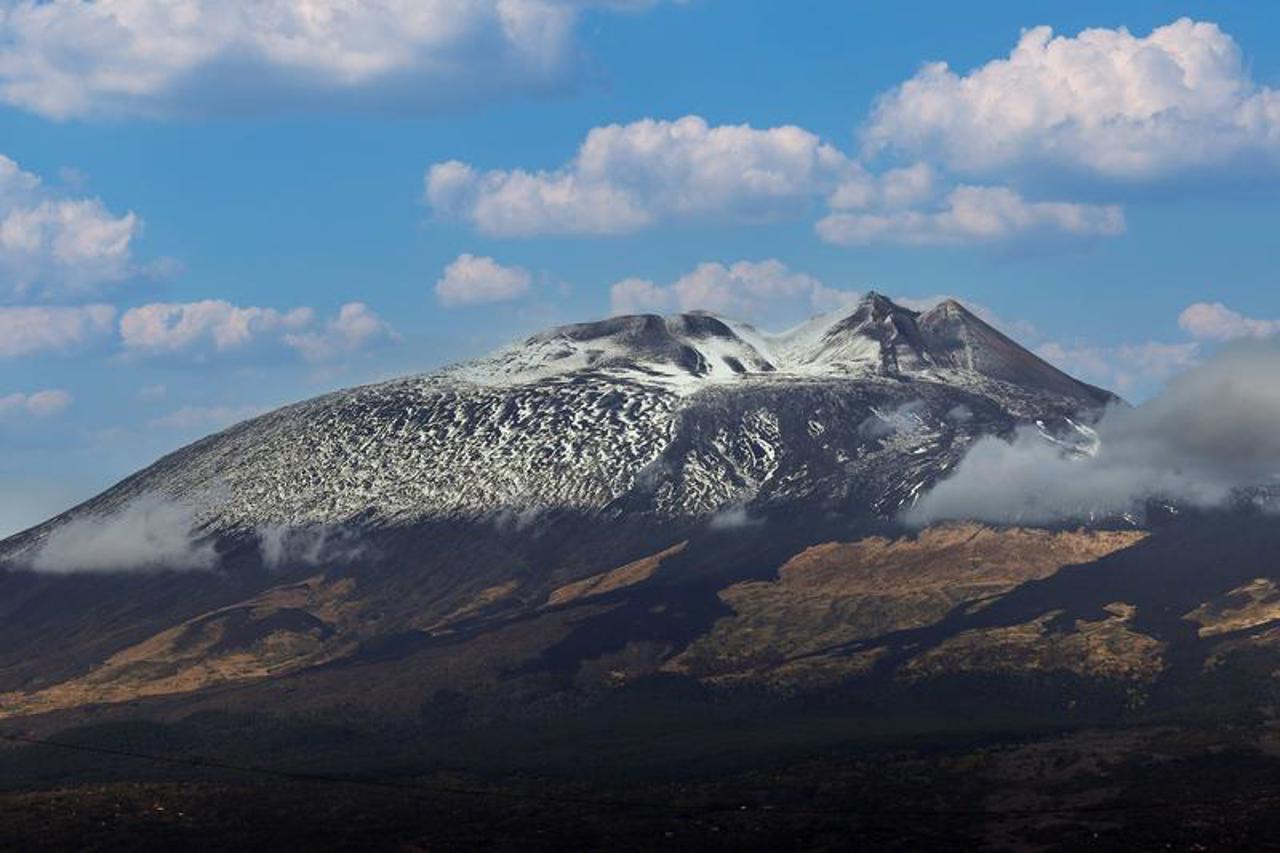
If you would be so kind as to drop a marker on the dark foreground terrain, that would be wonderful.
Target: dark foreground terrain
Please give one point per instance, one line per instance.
(956, 688)
(1153, 787)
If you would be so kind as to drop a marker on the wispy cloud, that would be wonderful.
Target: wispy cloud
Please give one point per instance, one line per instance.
(189, 418)
(972, 215)
(152, 533)
(38, 404)
(1126, 368)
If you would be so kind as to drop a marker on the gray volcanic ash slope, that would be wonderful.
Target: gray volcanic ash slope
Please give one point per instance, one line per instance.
(681, 417)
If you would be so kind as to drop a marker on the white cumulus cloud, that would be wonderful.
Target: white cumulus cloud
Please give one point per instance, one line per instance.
(213, 325)
(356, 328)
(55, 245)
(625, 178)
(969, 215)
(1105, 102)
(1213, 321)
(640, 296)
(203, 331)
(28, 330)
(472, 280)
(70, 58)
(746, 289)
(893, 190)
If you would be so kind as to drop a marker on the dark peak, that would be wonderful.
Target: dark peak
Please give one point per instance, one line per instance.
(695, 342)
(875, 309)
(699, 324)
(951, 308)
(893, 340)
(875, 334)
(642, 329)
(877, 304)
(890, 329)
(956, 337)
(623, 326)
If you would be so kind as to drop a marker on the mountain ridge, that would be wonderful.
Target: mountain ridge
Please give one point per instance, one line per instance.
(873, 336)
(688, 416)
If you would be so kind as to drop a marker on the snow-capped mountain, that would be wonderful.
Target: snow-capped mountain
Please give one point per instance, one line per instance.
(688, 416)
(947, 344)
(617, 530)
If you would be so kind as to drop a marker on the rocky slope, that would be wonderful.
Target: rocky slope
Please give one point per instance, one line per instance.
(682, 417)
(612, 517)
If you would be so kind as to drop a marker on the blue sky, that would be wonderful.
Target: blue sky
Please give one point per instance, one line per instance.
(195, 191)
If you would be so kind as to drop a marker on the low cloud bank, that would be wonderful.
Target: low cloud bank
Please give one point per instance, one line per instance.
(283, 547)
(733, 518)
(151, 533)
(156, 533)
(1213, 430)
(904, 418)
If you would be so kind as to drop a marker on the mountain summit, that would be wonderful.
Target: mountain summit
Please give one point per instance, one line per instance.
(875, 337)
(681, 417)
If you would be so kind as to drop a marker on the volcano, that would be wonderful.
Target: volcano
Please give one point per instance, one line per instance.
(671, 544)
(603, 484)
(670, 419)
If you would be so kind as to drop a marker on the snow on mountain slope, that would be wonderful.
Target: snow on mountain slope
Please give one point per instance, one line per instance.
(678, 348)
(876, 337)
(689, 416)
